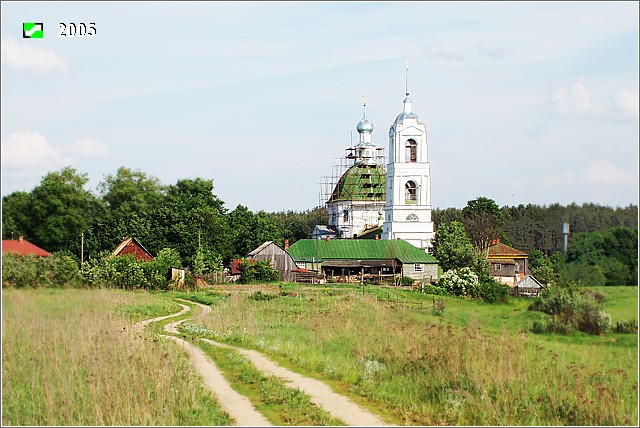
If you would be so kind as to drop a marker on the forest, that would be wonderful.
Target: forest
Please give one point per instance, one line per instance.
(61, 215)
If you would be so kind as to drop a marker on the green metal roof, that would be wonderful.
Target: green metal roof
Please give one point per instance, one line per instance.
(361, 183)
(309, 250)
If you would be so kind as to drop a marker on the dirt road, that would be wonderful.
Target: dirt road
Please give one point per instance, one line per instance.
(238, 406)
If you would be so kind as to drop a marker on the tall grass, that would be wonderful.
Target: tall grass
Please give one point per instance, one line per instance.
(431, 370)
(69, 357)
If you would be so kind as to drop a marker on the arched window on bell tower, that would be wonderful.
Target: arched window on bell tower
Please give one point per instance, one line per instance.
(411, 151)
(410, 192)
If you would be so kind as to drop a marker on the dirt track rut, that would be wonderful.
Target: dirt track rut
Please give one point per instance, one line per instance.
(239, 407)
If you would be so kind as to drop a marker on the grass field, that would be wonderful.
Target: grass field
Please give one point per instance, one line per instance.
(475, 364)
(70, 358)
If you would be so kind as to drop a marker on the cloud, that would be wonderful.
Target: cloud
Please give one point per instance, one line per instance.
(86, 148)
(627, 100)
(23, 56)
(606, 173)
(496, 53)
(29, 149)
(575, 100)
(436, 50)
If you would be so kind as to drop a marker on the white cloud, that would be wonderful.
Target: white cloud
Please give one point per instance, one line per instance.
(575, 100)
(606, 173)
(627, 100)
(29, 149)
(23, 56)
(437, 51)
(86, 148)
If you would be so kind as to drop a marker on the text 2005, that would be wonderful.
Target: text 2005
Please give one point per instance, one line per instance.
(80, 30)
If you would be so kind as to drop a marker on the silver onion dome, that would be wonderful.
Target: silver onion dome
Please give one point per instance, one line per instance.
(364, 125)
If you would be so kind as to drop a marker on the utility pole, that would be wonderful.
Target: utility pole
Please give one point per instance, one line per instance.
(81, 249)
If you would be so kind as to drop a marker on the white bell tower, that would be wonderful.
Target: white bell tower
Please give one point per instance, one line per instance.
(408, 192)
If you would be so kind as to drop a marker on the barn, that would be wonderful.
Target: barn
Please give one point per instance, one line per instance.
(132, 246)
(280, 259)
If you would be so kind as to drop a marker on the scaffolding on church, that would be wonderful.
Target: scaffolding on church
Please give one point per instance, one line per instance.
(355, 179)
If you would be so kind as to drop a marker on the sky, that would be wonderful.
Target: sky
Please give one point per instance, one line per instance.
(524, 102)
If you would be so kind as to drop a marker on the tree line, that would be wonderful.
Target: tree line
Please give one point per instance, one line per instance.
(61, 215)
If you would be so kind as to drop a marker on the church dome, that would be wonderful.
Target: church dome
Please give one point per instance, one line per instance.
(361, 183)
(406, 115)
(364, 125)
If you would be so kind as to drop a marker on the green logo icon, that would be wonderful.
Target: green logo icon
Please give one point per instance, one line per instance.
(32, 30)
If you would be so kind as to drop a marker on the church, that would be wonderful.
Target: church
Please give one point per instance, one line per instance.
(370, 200)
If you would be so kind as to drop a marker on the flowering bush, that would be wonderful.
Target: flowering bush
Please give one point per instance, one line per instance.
(459, 282)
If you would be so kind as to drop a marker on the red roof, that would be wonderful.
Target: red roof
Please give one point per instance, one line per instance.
(22, 247)
(132, 246)
(504, 251)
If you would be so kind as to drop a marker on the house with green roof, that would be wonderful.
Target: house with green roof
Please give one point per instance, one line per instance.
(364, 259)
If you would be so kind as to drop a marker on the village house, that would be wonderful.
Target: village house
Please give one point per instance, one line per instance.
(507, 264)
(22, 247)
(132, 246)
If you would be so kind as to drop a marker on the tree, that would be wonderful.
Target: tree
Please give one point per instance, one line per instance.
(482, 220)
(61, 209)
(452, 247)
(130, 191)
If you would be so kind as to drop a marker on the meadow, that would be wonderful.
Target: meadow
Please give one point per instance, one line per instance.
(70, 357)
(470, 364)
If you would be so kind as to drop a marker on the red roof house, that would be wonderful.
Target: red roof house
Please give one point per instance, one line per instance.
(132, 246)
(22, 247)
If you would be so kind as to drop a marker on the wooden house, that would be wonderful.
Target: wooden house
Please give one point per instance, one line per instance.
(22, 247)
(507, 264)
(132, 246)
(350, 260)
(280, 259)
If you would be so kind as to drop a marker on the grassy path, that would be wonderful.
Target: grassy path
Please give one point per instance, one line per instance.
(319, 392)
(237, 406)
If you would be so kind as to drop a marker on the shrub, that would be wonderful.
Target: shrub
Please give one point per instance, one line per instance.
(258, 270)
(459, 282)
(570, 310)
(59, 270)
(626, 326)
(406, 281)
(493, 291)
(433, 289)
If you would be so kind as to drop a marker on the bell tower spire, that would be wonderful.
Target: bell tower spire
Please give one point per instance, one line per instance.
(408, 194)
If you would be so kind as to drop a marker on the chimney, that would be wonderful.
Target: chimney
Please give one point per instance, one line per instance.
(20, 238)
(497, 240)
(286, 245)
(377, 237)
(328, 238)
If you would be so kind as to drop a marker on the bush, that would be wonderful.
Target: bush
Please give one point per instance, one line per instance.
(59, 270)
(258, 270)
(407, 281)
(492, 291)
(570, 310)
(433, 289)
(626, 326)
(459, 282)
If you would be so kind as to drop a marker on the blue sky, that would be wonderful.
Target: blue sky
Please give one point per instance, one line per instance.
(525, 102)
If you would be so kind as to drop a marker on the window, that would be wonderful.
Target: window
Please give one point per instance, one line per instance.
(496, 267)
(517, 267)
(302, 265)
(411, 151)
(417, 267)
(346, 215)
(412, 217)
(410, 192)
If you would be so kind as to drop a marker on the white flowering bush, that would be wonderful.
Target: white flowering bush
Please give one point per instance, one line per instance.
(459, 282)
